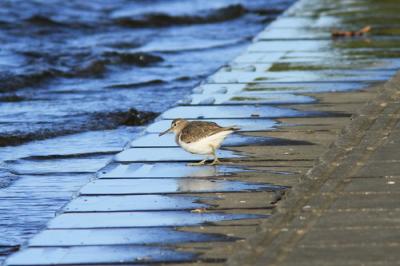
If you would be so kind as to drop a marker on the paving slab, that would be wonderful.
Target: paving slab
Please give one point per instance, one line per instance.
(379, 168)
(317, 65)
(96, 255)
(256, 57)
(164, 186)
(297, 45)
(166, 155)
(245, 98)
(132, 203)
(292, 21)
(118, 236)
(245, 200)
(368, 200)
(301, 76)
(308, 87)
(166, 170)
(247, 124)
(374, 185)
(218, 88)
(234, 140)
(281, 88)
(140, 219)
(294, 33)
(351, 236)
(344, 255)
(259, 57)
(234, 112)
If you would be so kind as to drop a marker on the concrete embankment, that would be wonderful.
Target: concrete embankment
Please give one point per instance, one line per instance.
(292, 92)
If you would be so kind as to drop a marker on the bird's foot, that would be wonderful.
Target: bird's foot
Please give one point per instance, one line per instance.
(197, 164)
(215, 162)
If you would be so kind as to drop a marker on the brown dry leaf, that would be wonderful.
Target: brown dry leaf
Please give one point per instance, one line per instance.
(339, 33)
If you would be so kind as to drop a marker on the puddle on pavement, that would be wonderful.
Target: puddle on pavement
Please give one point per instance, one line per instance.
(243, 111)
(133, 203)
(293, 34)
(166, 154)
(165, 170)
(316, 56)
(142, 219)
(305, 87)
(246, 98)
(247, 124)
(23, 203)
(301, 45)
(96, 255)
(46, 175)
(370, 42)
(120, 236)
(335, 64)
(304, 22)
(218, 88)
(168, 186)
(286, 88)
(68, 165)
(301, 76)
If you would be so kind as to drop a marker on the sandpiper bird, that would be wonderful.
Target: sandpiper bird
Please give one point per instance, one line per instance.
(199, 137)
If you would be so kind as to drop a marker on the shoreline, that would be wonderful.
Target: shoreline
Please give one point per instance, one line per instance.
(89, 81)
(209, 207)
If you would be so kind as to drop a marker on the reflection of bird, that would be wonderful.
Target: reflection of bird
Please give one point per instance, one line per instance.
(198, 185)
(199, 137)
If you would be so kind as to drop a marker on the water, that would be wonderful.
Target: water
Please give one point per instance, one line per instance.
(80, 79)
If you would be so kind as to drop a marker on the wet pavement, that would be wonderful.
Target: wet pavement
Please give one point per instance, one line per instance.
(290, 94)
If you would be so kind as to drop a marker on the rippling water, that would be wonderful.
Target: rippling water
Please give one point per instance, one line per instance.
(79, 79)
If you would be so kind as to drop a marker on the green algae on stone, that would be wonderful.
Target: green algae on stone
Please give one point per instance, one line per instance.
(260, 79)
(296, 67)
(375, 20)
(363, 12)
(259, 88)
(390, 31)
(336, 63)
(365, 42)
(238, 98)
(376, 54)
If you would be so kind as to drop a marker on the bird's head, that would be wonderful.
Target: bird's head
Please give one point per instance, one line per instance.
(176, 126)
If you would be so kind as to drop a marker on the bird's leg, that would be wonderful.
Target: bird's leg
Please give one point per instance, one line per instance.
(203, 162)
(216, 161)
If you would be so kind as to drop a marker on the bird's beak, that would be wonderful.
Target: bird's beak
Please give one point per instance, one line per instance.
(165, 132)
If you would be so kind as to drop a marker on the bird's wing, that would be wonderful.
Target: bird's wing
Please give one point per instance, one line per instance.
(196, 130)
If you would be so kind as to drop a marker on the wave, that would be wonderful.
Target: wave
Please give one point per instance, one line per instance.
(156, 19)
(70, 66)
(136, 85)
(76, 124)
(139, 58)
(42, 21)
(98, 66)
(11, 82)
(6, 178)
(163, 20)
(12, 98)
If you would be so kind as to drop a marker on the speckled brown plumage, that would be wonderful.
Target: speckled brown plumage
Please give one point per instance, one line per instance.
(196, 130)
(199, 137)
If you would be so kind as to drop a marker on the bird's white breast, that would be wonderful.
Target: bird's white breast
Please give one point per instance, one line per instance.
(205, 145)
